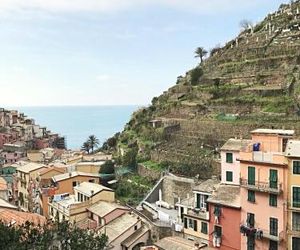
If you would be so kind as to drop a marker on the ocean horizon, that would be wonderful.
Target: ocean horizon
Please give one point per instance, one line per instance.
(76, 123)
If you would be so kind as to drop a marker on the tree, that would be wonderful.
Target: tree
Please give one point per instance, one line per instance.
(107, 168)
(246, 24)
(86, 147)
(61, 235)
(200, 52)
(129, 158)
(93, 141)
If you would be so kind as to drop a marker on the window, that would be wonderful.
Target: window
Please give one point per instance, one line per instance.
(229, 158)
(135, 227)
(250, 219)
(273, 245)
(204, 228)
(251, 196)
(273, 178)
(296, 167)
(274, 226)
(203, 204)
(191, 223)
(92, 180)
(74, 183)
(185, 222)
(295, 243)
(273, 200)
(195, 226)
(229, 176)
(251, 175)
(296, 196)
(218, 231)
(296, 221)
(198, 200)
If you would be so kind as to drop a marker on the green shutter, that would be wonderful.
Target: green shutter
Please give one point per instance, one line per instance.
(273, 178)
(274, 226)
(251, 196)
(273, 200)
(198, 201)
(251, 175)
(229, 158)
(204, 227)
(296, 167)
(296, 196)
(195, 225)
(229, 176)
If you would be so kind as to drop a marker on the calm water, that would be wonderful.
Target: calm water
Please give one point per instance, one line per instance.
(77, 123)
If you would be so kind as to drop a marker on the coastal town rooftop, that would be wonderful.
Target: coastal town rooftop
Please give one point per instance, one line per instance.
(227, 195)
(235, 144)
(30, 166)
(65, 176)
(102, 208)
(89, 189)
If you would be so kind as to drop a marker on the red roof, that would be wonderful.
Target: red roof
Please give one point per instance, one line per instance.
(19, 218)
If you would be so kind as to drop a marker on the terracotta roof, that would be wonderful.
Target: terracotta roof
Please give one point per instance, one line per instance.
(227, 195)
(177, 243)
(90, 189)
(293, 148)
(65, 176)
(19, 218)
(52, 168)
(235, 144)
(30, 166)
(103, 208)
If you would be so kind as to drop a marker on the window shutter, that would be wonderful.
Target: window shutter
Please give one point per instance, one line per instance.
(251, 175)
(195, 225)
(185, 222)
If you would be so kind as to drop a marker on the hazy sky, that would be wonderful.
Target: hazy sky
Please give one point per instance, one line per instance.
(103, 52)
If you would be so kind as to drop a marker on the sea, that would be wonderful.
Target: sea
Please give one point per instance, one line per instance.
(76, 123)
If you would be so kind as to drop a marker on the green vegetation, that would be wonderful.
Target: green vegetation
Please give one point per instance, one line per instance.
(196, 73)
(55, 236)
(90, 144)
(107, 168)
(154, 165)
(132, 189)
(201, 53)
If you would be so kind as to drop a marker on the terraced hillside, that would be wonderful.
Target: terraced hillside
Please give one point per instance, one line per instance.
(253, 81)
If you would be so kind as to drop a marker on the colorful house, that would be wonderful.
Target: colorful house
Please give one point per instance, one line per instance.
(293, 222)
(264, 172)
(230, 164)
(225, 217)
(196, 220)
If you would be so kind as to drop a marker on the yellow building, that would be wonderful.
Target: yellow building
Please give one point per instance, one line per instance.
(74, 207)
(293, 230)
(89, 167)
(27, 176)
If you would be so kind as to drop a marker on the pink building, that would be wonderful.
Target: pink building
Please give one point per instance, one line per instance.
(230, 164)
(264, 173)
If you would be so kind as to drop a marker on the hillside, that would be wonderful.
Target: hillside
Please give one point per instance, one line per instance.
(251, 82)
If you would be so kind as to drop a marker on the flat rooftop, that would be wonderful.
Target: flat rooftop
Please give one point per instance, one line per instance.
(65, 176)
(273, 131)
(29, 167)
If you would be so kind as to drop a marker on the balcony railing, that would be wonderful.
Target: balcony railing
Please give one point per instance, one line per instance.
(200, 213)
(261, 234)
(275, 188)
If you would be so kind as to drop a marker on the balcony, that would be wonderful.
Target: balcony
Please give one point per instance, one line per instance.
(199, 213)
(263, 157)
(261, 234)
(261, 186)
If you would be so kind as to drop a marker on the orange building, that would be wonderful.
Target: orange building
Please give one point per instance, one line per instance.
(63, 183)
(264, 172)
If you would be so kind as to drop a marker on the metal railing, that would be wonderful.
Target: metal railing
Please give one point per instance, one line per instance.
(260, 186)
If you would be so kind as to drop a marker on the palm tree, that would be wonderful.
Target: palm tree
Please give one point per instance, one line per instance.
(200, 52)
(93, 141)
(86, 147)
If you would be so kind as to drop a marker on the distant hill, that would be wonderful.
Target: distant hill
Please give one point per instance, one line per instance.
(251, 82)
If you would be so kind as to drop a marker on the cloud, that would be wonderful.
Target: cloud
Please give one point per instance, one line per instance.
(203, 6)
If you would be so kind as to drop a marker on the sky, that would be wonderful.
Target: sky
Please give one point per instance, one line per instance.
(109, 52)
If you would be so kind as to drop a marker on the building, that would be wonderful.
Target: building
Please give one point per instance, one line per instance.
(74, 207)
(264, 172)
(28, 186)
(13, 217)
(230, 164)
(293, 221)
(196, 220)
(225, 218)
(89, 167)
(126, 232)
